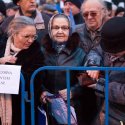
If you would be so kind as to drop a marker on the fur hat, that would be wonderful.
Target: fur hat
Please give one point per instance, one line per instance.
(75, 2)
(113, 35)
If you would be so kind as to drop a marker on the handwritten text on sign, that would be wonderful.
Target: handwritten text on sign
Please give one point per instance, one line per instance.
(9, 79)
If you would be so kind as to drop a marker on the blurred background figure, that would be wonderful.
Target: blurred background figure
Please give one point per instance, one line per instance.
(49, 8)
(42, 2)
(2, 11)
(73, 6)
(59, 6)
(108, 4)
(120, 12)
(11, 9)
(114, 8)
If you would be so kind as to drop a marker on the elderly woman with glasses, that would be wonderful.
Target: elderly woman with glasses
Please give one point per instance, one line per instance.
(20, 48)
(60, 48)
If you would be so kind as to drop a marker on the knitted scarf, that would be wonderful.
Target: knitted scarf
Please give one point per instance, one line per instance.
(6, 99)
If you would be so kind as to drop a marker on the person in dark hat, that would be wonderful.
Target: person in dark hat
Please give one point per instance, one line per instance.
(2, 11)
(108, 4)
(73, 6)
(28, 8)
(11, 9)
(49, 9)
(120, 11)
(113, 43)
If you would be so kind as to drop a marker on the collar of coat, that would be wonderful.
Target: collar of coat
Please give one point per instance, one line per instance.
(72, 43)
(38, 19)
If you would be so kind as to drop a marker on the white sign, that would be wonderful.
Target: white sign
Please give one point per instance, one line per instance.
(9, 79)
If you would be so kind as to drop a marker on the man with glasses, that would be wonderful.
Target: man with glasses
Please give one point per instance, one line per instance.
(28, 8)
(94, 13)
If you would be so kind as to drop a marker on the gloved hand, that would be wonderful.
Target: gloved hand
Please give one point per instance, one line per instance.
(85, 80)
(100, 87)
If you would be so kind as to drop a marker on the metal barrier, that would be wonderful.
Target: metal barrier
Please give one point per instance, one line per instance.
(22, 99)
(67, 69)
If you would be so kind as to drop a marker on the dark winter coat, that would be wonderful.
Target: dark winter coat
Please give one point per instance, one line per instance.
(55, 80)
(90, 45)
(116, 90)
(29, 59)
(72, 55)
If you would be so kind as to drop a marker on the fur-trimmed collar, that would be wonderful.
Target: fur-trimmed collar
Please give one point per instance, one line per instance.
(72, 43)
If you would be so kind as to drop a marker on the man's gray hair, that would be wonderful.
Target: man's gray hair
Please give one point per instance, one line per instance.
(102, 3)
(19, 23)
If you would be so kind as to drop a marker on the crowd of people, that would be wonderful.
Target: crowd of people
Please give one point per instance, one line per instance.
(86, 33)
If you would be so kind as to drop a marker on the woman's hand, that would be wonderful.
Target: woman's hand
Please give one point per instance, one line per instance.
(8, 59)
(94, 74)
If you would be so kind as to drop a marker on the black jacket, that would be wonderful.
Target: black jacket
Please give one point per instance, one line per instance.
(71, 55)
(91, 45)
(83, 98)
(116, 90)
(29, 59)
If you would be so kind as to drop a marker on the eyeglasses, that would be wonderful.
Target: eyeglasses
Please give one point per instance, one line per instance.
(27, 37)
(92, 14)
(64, 28)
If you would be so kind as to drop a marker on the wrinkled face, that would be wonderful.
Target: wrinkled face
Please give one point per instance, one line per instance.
(93, 14)
(70, 6)
(60, 29)
(27, 6)
(25, 37)
(10, 12)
